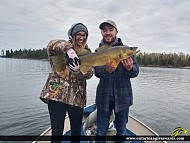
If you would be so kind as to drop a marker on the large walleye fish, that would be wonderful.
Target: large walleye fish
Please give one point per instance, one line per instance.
(99, 58)
(105, 53)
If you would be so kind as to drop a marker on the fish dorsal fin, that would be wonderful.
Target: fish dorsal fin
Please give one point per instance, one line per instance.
(102, 48)
(84, 52)
(84, 69)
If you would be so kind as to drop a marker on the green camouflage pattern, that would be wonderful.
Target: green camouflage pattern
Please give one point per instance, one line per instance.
(65, 86)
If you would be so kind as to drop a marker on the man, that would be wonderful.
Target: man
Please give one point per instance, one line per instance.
(114, 91)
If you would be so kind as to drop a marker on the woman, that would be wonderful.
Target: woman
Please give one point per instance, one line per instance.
(65, 90)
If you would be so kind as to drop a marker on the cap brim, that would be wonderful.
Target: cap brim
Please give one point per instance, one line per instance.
(104, 23)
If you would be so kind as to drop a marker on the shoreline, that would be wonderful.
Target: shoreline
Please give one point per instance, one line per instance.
(188, 67)
(165, 67)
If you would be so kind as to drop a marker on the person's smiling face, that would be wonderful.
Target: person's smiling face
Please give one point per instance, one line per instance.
(80, 38)
(108, 33)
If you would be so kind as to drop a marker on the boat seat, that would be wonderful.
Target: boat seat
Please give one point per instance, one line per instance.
(90, 125)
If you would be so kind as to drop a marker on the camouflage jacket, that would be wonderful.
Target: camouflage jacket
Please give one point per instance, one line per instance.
(65, 86)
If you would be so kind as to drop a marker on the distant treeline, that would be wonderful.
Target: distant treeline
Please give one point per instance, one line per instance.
(165, 60)
(27, 54)
(144, 59)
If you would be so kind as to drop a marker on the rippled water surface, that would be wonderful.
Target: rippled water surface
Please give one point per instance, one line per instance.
(161, 97)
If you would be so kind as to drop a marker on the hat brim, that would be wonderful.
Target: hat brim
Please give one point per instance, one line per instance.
(106, 23)
(103, 24)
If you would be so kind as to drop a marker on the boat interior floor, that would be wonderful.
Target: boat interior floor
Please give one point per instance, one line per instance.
(109, 133)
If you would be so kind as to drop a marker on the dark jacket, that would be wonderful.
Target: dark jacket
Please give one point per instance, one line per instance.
(115, 85)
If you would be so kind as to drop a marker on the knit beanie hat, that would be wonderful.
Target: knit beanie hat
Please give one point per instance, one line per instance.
(77, 27)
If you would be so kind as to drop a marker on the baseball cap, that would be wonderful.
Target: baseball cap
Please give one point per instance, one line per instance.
(110, 22)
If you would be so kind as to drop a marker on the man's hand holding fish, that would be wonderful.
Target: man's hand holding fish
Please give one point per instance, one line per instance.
(128, 63)
(111, 65)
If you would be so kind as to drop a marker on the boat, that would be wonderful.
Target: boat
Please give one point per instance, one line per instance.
(134, 128)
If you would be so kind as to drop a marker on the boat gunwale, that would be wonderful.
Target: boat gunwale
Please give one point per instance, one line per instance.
(146, 126)
(49, 128)
(130, 116)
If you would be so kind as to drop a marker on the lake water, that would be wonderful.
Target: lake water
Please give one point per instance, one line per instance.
(161, 97)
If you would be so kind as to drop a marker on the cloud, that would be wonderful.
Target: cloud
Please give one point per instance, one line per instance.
(153, 26)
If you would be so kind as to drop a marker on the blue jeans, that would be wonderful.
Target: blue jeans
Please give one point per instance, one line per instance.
(121, 118)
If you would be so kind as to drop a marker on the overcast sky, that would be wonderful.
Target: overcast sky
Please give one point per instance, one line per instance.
(152, 25)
